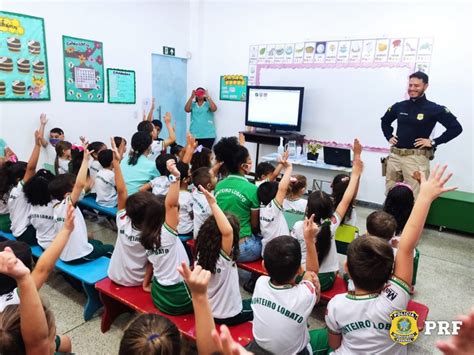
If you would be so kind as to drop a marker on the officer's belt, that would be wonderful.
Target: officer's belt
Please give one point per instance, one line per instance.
(429, 153)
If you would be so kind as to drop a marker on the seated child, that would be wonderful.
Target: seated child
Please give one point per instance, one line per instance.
(381, 224)
(201, 211)
(217, 248)
(10, 174)
(294, 202)
(165, 251)
(399, 203)
(321, 205)
(177, 150)
(94, 165)
(271, 195)
(160, 184)
(105, 180)
(18, 204)
(266, 172)
(41, 214)
(186, 224)
(158, 146)
(128, 262)
(381, 286)
(281, 306)
(121, 144)
(67, 189)
(202, 157)
(63, 157)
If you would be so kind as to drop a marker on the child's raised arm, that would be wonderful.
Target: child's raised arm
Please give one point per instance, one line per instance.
(33, 161)
(310, 230)
(149, 117)
(33, 324)
(429, 190)
(119, 181)
(43, 122)
(357, 167)
(281, 164)
(172, 198)
(189, 149)
(48, 259)
(81, 179)
(284, 182)
(171, 133)
(222, 222)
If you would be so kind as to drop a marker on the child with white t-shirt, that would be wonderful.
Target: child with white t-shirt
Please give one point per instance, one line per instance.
(271, 195)
(321, 205)
(186, 224)
(165, 251)
(67, 190)
(63, 157)
(94, 164)
(266, 172)
(381, 287)
(158, 145)
(201, 210)
(217, 248)
(294, 201)
(281, 306)
(128, 262)
(105, 180)
(160, 184)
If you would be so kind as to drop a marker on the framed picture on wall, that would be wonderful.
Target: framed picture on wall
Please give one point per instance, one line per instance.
(121, 86)
(23, 58)
(83, 70)
(233, 87)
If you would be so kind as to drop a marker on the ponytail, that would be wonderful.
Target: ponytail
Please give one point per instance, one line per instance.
(150, 233)
(323, 240)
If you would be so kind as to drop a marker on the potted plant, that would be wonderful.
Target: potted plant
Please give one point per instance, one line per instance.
(313, 149)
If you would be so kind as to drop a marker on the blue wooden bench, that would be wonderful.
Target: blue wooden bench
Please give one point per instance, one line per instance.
(89, 202)
(7, 235)
(88, 273)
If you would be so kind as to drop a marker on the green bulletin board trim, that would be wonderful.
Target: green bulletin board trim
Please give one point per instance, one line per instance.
(45, 58)
(134, 87)
(64, 64)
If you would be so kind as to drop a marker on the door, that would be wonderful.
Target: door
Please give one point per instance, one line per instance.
(169, 91)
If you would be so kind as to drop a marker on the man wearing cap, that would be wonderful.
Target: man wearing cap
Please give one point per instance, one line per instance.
(202, 117)
(411, 146)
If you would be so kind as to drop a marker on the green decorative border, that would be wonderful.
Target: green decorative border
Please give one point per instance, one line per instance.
(134, 87)
(65, 80)
(45, 58)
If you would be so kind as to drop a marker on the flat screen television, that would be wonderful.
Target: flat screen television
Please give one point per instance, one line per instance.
(274, 107)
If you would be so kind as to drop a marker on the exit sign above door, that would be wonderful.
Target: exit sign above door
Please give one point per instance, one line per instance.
(169, 51)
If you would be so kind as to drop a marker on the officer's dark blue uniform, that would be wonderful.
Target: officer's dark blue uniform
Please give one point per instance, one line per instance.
(416, 119)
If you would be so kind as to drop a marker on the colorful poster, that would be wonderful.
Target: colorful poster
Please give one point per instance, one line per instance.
(83, 70)
(355, 51)
(23, 59)
(381, 50)
(309, 48)
(121, 87)
(320, 52)
(233, 87)
(331, 52)
(343, 52)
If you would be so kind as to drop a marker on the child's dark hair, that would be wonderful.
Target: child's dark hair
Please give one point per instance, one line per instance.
(370, 262)
(105, 158)
(229, 151)
(23, 252)
(201, 176)
(56, 130)
(145, 126)
(201, 158)
(60, 148)
(151, 334)
(10, 175)
(381, 224)
(96, 147)
(153, 219)
(209, 242)
(399, 203)
(183, 169)
(263, 169)
(297, 185)
(158, 124)
(141, 141)
(118, 141)
(339, 186)
(36, 189)
(61, 185)
(136, 206)
(320, 204)
(160, 163)
(77, 156)
(267, 192)
(282, 258)
(176, 149)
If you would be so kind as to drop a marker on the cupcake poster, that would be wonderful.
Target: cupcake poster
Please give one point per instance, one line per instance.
(23, 60)
(83, 70)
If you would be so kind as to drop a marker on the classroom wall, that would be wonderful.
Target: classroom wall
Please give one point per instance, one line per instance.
(229, 27)
(130, 32)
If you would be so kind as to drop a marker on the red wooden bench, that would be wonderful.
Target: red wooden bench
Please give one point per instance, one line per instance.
(120, 299)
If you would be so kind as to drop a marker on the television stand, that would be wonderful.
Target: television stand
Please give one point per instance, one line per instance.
(272, 138)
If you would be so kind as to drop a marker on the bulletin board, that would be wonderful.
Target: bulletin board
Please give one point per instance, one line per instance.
(233, 87)
(121, 86)
(23, 58)
(83, 70)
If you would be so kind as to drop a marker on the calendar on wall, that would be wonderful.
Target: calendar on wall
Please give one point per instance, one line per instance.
(83, 70)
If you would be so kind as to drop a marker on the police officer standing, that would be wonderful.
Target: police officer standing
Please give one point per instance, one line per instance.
(411, 146)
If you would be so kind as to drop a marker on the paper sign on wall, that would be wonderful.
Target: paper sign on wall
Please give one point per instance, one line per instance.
(233, 87)
(121, 86)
